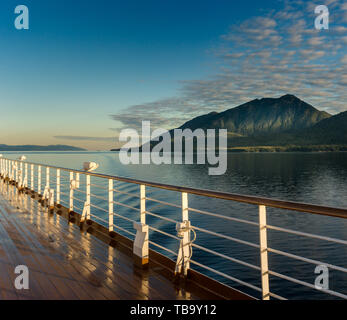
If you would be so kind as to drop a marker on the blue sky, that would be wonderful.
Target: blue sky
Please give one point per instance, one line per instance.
(85, 69)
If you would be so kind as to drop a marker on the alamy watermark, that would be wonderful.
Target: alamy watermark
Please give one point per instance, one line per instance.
(322, 20)
(166, 147)
(22, 20)
(322, 280)
(22, 280)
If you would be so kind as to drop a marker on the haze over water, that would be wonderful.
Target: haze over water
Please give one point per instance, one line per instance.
(317, 178)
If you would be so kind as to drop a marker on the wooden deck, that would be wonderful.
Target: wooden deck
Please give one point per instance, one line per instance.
(65, 263)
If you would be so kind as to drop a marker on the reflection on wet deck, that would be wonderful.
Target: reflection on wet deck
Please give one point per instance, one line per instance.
(65, 263)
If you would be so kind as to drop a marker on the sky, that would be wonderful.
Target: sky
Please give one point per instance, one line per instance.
(84, 70)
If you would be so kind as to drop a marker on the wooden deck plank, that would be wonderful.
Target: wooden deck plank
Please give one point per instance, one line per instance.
(58, 266)
(110, 267)
(38, 279)
(122, 268)
(81, 262)
(66, 288)
(65, 263)
(7, 289)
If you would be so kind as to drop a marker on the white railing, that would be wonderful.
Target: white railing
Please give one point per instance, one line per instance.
(96, 197)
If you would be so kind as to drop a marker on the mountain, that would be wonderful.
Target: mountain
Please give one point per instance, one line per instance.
(329, 131)
(57, 147)
(261, 116)
(276, 124)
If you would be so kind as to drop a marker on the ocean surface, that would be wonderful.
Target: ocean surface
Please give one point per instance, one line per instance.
(317, 178)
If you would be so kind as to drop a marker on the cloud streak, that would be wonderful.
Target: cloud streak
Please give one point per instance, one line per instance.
(270, 55)
(85, 138)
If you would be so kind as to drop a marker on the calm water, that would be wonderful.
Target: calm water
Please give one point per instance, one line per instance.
(318, 178)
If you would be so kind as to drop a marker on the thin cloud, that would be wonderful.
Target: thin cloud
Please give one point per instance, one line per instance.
(270, 55)
(85, 138)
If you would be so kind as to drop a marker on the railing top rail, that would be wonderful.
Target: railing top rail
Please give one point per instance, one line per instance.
(269, 202)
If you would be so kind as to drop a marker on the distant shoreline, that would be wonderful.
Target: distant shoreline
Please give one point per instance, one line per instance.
(292, 148)
(274, 149)
(28, 148)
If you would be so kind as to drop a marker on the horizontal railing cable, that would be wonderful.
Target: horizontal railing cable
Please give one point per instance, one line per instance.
(316, 262)
(223, 217)
(164, 202)
(163, 232)
(160, 217)
(39, 178)
(227, 276)
(226, 257)
(305, 234)
(163, 248)
(226, 237)
(275, 203)
(306, 284)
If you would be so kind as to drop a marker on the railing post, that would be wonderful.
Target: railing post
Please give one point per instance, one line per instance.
(77, 181)
(47, 177)
(26, 176)
(185, 206)
(86, 208)
(142, 204)
(46, 193)
(12, 170)
(263, 253)
(32, 177)
(51, 199)
(38, 179)
(110, 205)
(16, 173)
(21, 182)
(140, 248)
(183, 232)
(58, 186)
(88, 195)
(72, 185)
